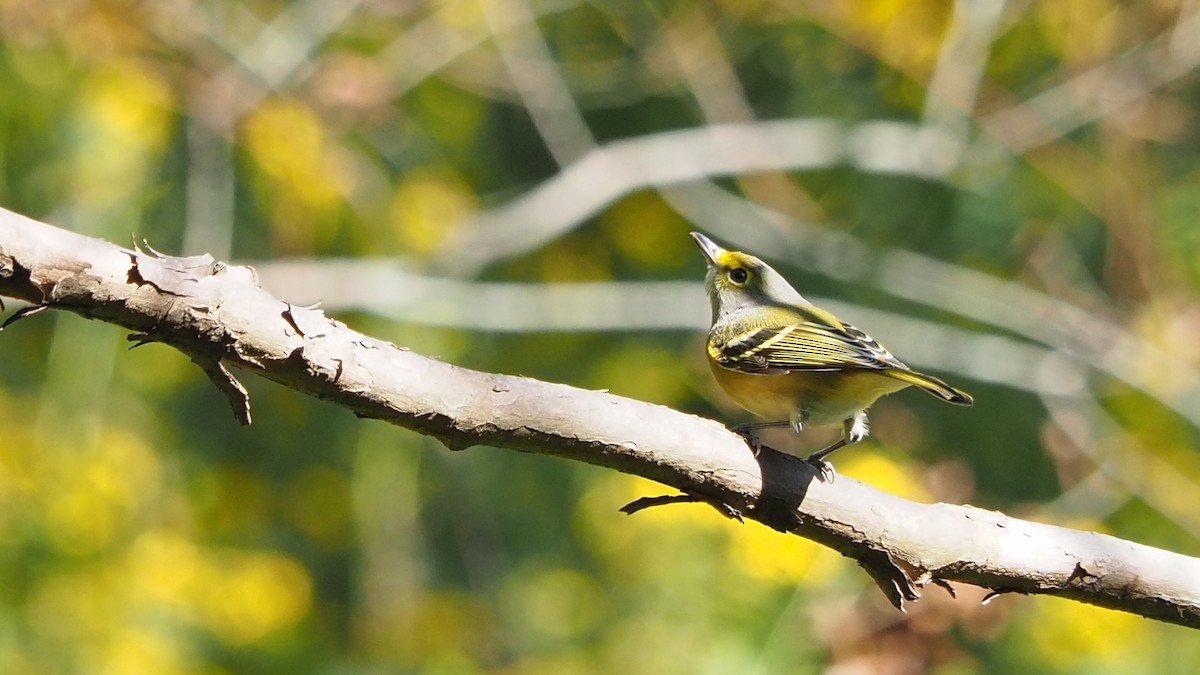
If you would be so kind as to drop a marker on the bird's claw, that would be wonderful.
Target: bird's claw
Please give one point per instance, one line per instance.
(746, 431)
(824, 469)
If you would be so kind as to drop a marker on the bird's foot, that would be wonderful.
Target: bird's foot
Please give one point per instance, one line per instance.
(824, 469)
(747, 432)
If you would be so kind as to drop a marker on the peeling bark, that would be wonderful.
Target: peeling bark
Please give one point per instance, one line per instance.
(217, 315)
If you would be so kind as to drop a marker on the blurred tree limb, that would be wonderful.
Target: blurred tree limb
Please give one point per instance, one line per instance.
(218, 316)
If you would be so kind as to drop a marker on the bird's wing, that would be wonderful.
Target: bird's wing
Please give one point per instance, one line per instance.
(805, 345)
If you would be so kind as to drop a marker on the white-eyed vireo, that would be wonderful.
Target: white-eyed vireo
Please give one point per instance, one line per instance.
(782, 358)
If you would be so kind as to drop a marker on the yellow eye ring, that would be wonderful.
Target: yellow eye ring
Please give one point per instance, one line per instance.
(738, 275)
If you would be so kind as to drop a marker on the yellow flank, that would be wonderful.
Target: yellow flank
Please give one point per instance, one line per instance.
(813, 398)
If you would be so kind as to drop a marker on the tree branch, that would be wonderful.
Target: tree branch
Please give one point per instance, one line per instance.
(217, 315)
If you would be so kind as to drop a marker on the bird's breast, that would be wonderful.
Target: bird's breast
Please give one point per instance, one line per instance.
(816, 397)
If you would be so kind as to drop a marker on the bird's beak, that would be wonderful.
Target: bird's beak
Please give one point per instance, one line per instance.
(708, 247)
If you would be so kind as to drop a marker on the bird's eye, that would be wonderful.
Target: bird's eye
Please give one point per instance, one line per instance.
(738, 275)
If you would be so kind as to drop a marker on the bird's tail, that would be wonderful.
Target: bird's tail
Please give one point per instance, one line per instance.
(933, 385)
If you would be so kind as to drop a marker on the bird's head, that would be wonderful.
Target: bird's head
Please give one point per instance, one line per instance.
(739, 282)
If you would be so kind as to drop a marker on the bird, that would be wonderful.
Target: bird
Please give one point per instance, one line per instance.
(786, 360)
